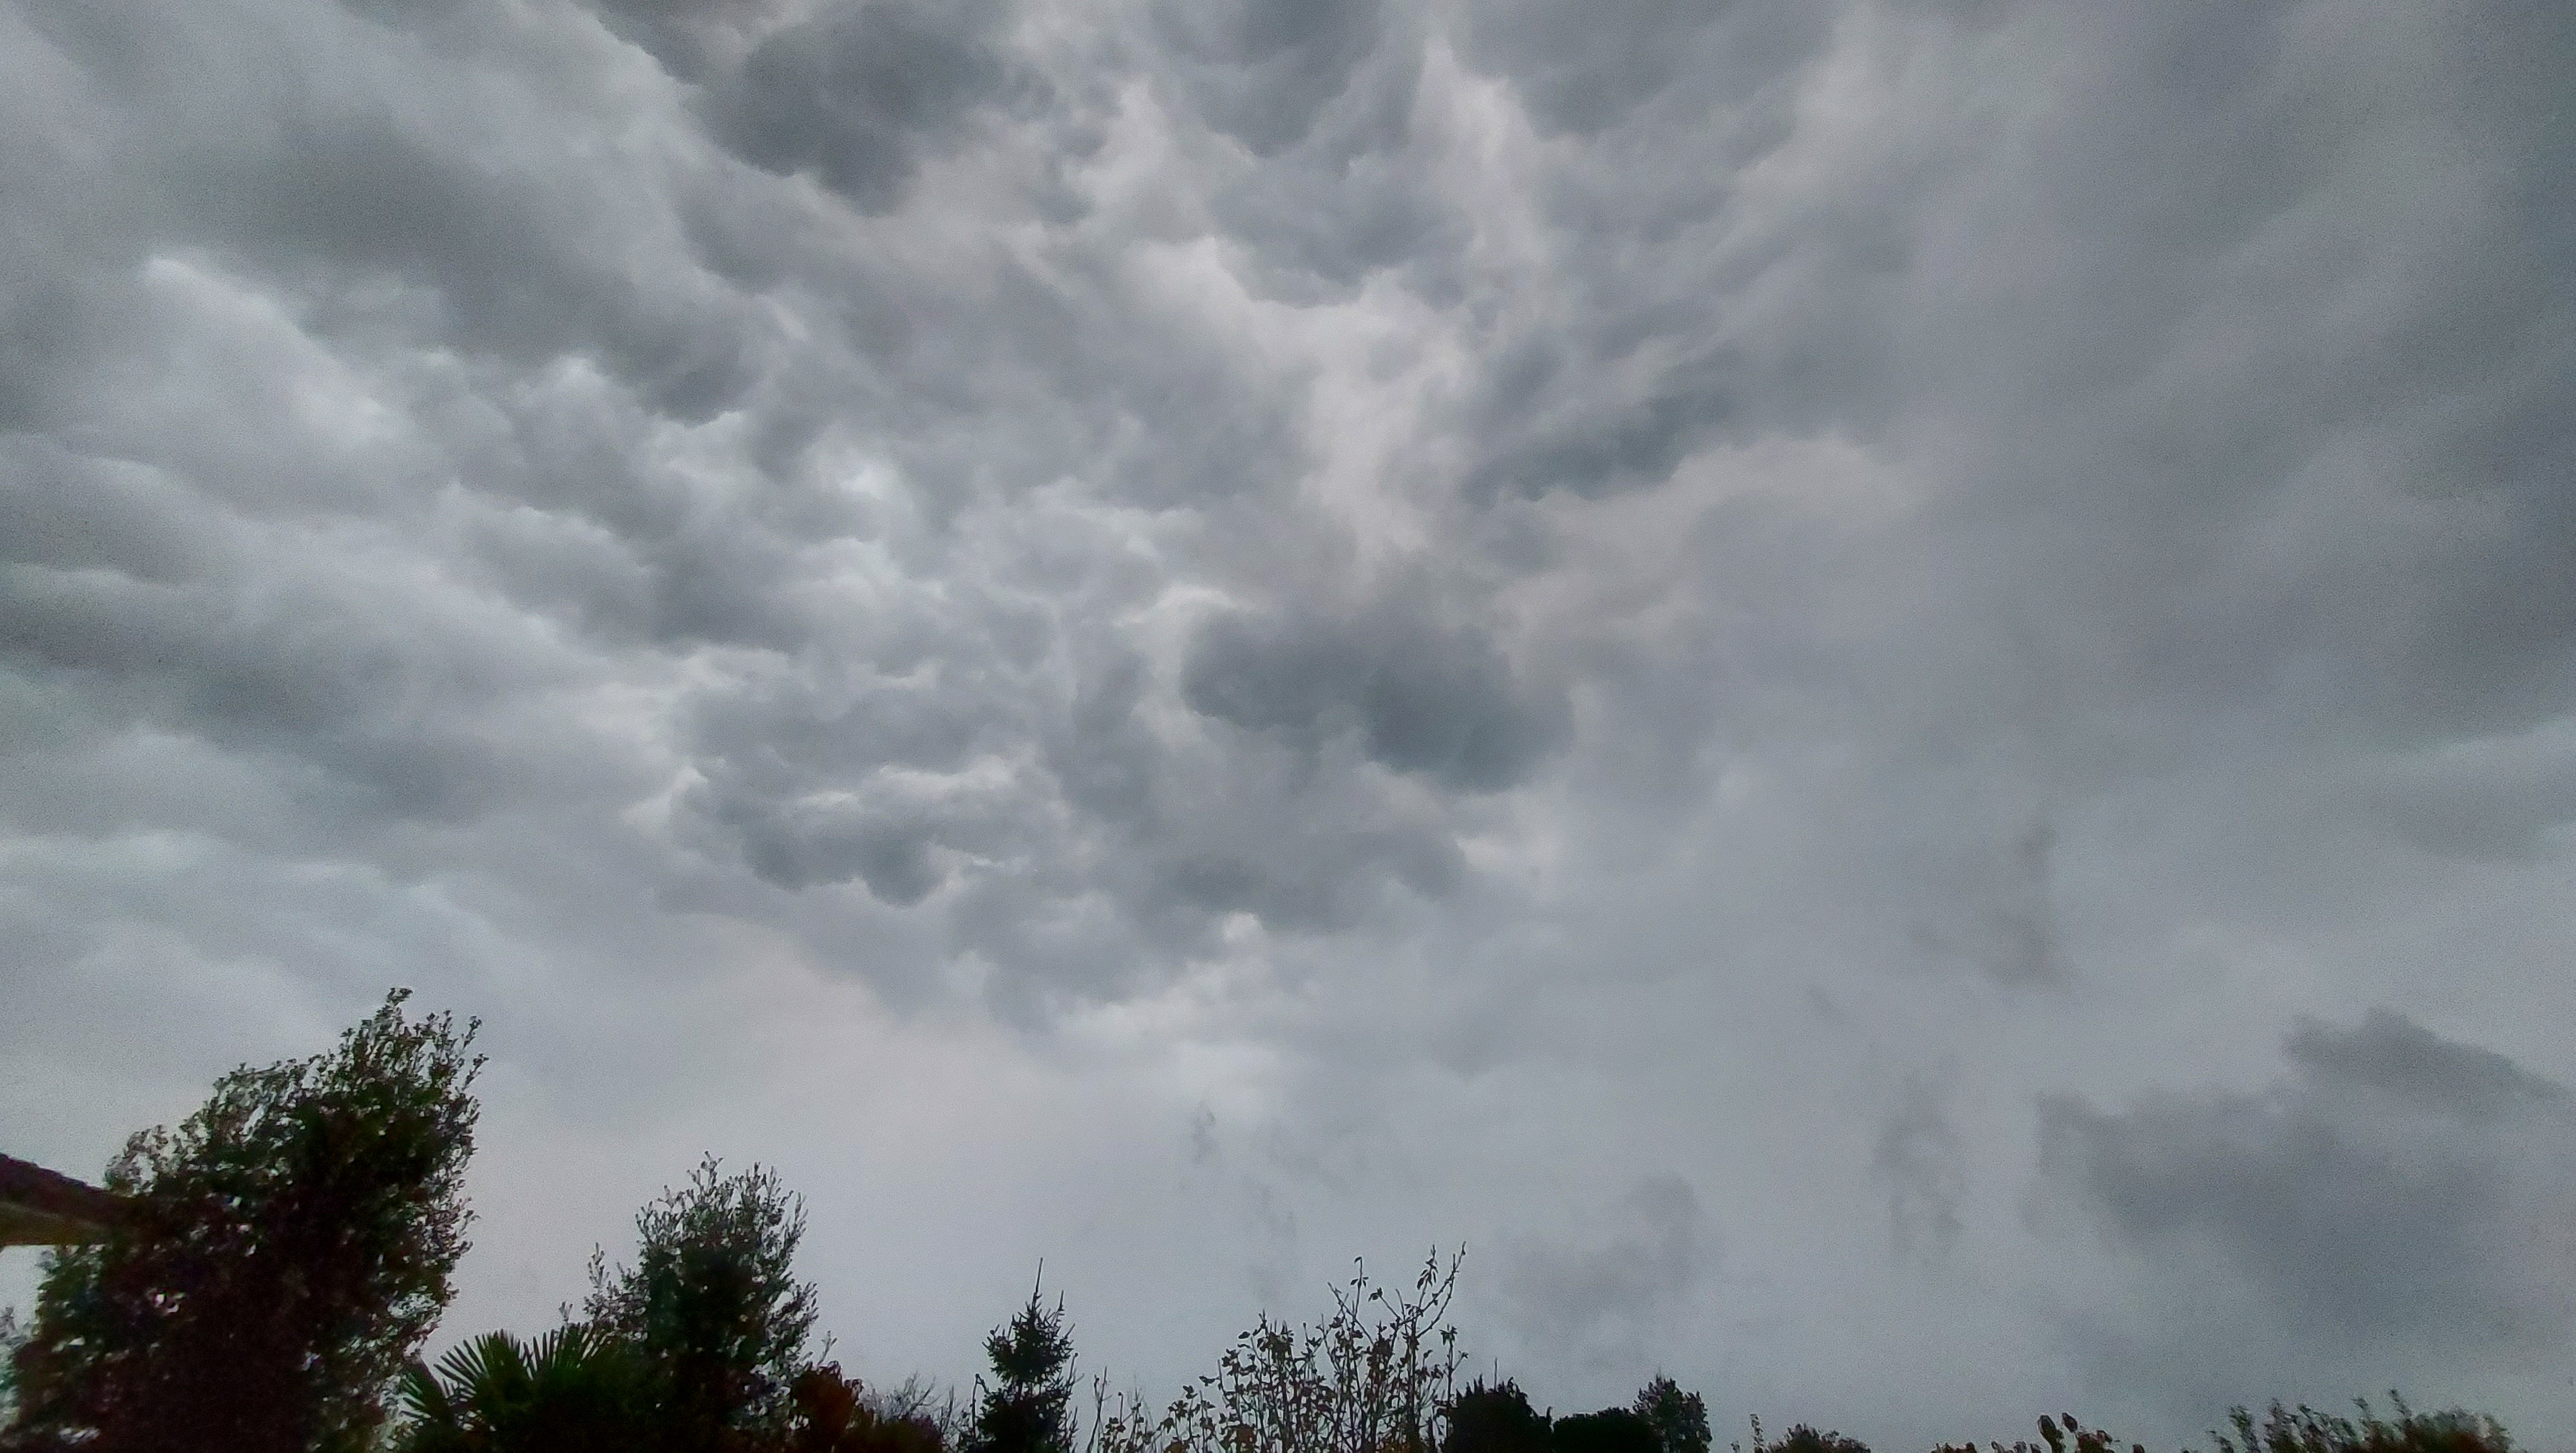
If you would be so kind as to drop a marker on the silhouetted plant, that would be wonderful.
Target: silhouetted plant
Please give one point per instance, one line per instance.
(1680, 1419)
(1495, 1418)
(1611, 1430)
(1376, 1376)
(1028, 1407)
(2283, 1430)
(290, 1246)
(831, 1413)
(2308, 1431)
(12, 1337)
(1801, 1438)
(2054, 1433)
(574, 1390)
(712, 1303)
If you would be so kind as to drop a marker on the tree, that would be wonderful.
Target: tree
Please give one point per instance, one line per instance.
(1803, 1438)
(291, 1244)
(12, 1337)
(1496, 1418)
(1028, 1407)
(1611, 1430)
(1680, 1418)
(712, 1302)
(573, 1390)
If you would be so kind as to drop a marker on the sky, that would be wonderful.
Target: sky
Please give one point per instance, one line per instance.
(1882, 694)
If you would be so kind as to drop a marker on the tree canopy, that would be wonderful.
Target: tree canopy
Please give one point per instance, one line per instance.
(712, 1301)
(290, 1245)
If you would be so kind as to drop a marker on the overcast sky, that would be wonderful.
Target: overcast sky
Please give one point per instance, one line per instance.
(1882, 693)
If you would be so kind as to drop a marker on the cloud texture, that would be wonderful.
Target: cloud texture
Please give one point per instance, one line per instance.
(1888, 690)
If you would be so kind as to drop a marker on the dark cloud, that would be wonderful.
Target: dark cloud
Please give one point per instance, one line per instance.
(1918, 1159)
(1262, 71)
(1519, 599)
(853, 92)
(1600, 1297)
(2359, 1221)
(1419, 699)
(2395, 1056)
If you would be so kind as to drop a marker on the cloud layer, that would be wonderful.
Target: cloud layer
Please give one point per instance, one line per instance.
(1764, 656)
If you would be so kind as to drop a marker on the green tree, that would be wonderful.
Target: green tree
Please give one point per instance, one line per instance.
(713, 1304)
(1680, 1418)
(291, 1244)
(1028, 1407)
(573, 1390)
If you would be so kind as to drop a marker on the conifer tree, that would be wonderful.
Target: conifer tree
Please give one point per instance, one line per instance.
(1028, 1407)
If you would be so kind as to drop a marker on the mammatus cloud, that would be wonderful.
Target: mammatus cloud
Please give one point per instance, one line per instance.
(921, 591)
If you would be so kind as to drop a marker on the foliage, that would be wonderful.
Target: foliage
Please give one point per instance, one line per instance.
(1028, 1407)
(1611, 1430)
(291, 1245)
(12, 1337)
(1680, 1419)
(574, 1390)
(1802, 1438)
(712, 1303)
(2302, 1431)
(1495, 1419)
(831, 1413)
(2310, 1431)
(2055, 1435)
(1376, 1376)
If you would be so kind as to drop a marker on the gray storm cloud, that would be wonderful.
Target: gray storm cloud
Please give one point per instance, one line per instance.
(1603, 631)
(2397, 1187)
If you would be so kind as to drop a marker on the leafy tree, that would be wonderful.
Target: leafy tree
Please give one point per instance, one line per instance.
(573, 1390)
(1611, 1430)
(291, 1244)
(1028, 1407)
(1802, 1438)
(1496, 1418)
(1680, 1418)
(712, 1302)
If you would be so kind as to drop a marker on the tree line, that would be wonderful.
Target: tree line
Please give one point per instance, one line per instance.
(291, 1245)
